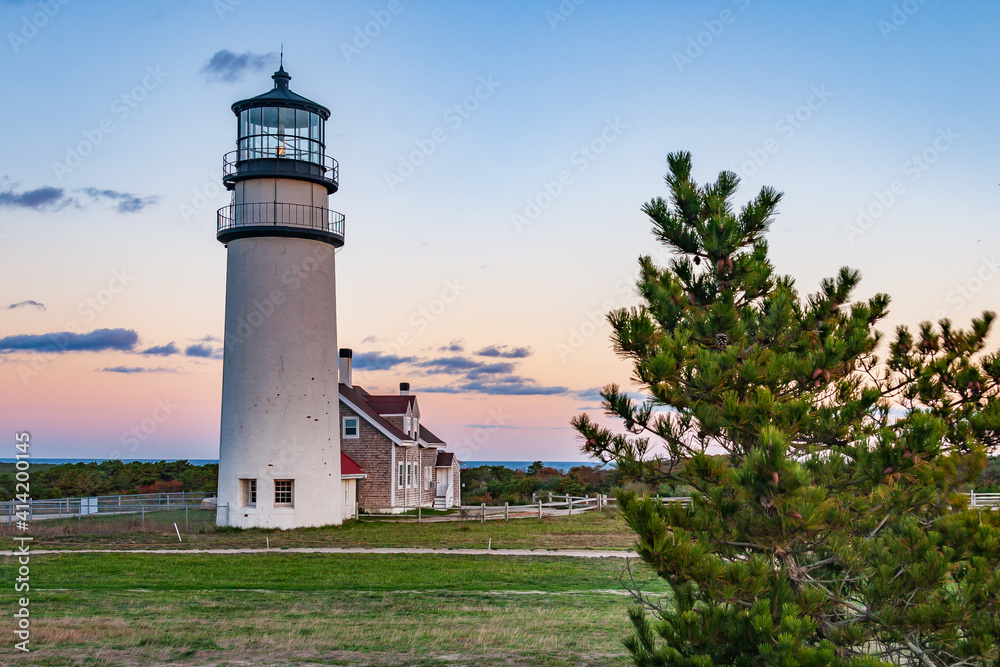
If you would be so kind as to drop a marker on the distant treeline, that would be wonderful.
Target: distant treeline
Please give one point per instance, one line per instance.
(70, 480)
(482, 484)
(499, 484)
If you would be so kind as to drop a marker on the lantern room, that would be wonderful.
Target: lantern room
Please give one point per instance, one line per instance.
(281, 134)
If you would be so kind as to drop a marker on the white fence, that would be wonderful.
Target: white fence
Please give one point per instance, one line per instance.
(133, 503)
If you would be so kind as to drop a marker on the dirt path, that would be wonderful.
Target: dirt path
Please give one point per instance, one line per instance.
(569, 553)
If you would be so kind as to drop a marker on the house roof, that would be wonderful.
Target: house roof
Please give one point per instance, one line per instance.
(361, 400)
(349, 466)
(428, 437)
(391, 405)
(444, 460)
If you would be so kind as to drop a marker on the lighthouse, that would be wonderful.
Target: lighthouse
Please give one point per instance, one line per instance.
(279, 451)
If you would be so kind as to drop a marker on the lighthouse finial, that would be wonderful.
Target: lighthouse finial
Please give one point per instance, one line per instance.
(281, 63)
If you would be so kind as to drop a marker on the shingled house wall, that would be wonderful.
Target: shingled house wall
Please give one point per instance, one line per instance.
(371, 452)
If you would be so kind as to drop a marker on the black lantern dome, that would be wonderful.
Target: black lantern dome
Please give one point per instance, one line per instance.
(281, 134)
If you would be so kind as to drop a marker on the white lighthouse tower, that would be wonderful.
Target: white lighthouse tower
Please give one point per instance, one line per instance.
(279, 454)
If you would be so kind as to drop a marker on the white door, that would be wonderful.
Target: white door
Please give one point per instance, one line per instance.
(442, 481)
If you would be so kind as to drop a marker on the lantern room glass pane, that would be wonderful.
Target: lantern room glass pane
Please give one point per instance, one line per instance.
(314, 127)
(270, 120)
(286, 121)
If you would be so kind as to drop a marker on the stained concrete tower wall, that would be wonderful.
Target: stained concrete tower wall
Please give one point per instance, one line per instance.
(280, 415)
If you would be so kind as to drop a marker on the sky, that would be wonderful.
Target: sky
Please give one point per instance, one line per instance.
(494, 157)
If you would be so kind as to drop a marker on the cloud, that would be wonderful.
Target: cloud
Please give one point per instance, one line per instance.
(376, 361)
(198, 351)
(136, 369)
(162, 350)
(370, 339)
(48, 198)
(464, 365)
(505, 352)
(26, 304)
(453, 346)
(511, 385)
(45, 198)
(65, 341)
(228, 67)
(126, 202)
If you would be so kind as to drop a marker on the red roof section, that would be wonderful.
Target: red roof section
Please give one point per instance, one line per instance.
(349, 466)
(428, 437)
(390, 404)
(362, 399)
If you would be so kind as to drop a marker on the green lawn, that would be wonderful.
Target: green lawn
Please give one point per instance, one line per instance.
(131, 609)
(591, 530)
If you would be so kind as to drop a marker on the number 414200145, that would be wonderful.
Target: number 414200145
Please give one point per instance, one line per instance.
(22, 441)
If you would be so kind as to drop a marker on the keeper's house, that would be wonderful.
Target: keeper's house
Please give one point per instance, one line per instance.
(405, 465)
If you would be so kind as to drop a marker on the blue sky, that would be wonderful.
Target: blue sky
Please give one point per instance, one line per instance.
(511, 219)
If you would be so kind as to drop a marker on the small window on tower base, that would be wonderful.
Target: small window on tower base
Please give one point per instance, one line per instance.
(283, 495)
(248, 493)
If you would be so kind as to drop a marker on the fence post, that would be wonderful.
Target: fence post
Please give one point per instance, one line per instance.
(185, 519)
(419, 515)
(506, 511)
(570, 504)
(539, 509)
(483, 508)
(972, 499)
(143, 510)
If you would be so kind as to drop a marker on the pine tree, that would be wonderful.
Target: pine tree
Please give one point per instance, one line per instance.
(828, 525)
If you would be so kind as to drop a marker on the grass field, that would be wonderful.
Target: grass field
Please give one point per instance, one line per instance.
(591, 530)
(295, 609)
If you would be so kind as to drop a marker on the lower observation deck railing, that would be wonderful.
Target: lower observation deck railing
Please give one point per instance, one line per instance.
(275, 214)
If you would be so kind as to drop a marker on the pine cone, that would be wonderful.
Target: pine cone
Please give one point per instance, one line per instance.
(888, 471)
(721, 340)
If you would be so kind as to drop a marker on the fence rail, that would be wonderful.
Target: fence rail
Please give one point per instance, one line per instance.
(131, 503)
(541, 506)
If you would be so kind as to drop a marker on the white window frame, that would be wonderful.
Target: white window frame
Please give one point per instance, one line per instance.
(409, 475)
(357, 428)
(399, 475)
(291, 493)
(248, 492)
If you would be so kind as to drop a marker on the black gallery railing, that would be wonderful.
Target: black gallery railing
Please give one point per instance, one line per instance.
(276, 214)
